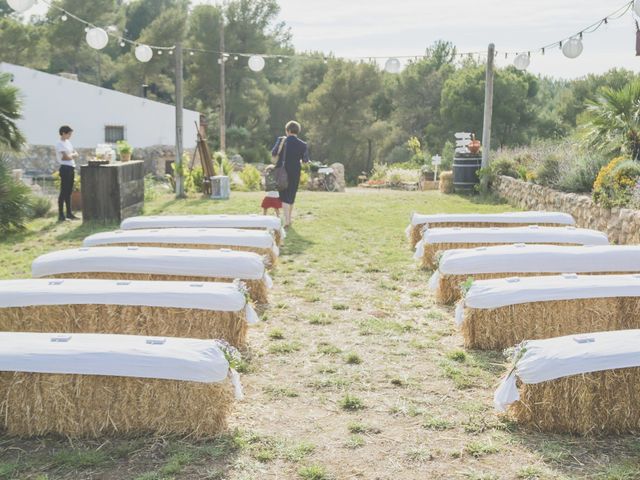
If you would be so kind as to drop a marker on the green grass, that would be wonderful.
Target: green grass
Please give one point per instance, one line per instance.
(313, 472)
(353, 358)
(351, 402)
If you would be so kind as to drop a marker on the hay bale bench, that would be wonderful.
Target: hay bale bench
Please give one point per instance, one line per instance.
(507, 219)
(86, 385)
(175, 309)
(519, 260)
(255, 241)
(437, 240)
(497, 314)
(253, 222)
(152, 263)
(579, 384)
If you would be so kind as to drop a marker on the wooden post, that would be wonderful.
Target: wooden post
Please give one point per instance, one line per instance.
(223, 106)
(488, 112)
(179, 129)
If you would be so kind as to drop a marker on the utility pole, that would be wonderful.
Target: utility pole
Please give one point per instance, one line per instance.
(223, 106)
(179, 166)
(488, 112)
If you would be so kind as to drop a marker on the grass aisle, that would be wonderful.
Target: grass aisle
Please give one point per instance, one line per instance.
(354, 373)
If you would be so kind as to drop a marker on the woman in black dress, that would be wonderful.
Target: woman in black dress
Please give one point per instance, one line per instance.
(293, 152)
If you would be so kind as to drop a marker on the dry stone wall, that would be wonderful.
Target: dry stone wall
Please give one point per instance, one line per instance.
(622, 225)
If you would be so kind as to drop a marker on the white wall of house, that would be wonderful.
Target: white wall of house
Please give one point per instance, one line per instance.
(50, 101)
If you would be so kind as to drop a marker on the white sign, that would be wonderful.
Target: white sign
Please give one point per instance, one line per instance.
(436, 160)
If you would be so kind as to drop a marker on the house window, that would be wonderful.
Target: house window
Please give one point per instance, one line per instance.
(113, 133)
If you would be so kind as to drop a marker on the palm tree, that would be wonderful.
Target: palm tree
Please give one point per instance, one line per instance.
(10, 106)
(614, 120)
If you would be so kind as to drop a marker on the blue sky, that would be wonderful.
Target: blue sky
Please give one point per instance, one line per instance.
(407, 27)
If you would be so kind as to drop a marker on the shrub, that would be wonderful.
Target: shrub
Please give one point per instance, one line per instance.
(504, 166)
(40, 206)
(579, 177)
(251, 178)
(15, 200)
(304, 180)
(615, 182)
(222, 165)
(379, 171)
(549, 172)
(398, 154)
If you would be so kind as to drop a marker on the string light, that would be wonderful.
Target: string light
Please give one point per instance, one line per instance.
(64, 17)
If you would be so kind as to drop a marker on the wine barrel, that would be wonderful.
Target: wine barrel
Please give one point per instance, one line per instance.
(465, 173)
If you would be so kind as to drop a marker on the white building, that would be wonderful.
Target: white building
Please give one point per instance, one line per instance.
(97, 115)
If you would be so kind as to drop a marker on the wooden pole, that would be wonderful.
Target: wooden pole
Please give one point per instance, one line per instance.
(223, 103)
(488, 107)
(179, 129)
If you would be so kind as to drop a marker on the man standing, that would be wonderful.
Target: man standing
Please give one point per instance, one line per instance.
(66, 156)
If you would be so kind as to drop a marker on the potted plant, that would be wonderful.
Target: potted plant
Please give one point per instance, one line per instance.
(124, 150)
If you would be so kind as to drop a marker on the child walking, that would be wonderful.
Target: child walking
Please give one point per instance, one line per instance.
(272, 197)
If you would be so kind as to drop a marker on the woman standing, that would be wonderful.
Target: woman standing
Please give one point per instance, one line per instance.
(291, 151)
(66, 156)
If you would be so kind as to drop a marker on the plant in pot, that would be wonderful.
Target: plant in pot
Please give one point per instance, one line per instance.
(124, 150)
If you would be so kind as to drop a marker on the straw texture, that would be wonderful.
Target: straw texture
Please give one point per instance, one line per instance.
(128, 320)
(257, 288)
(597, 403)
(34, 404)
(503, 327)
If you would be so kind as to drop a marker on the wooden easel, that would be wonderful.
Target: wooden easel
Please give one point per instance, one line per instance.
(202, 151)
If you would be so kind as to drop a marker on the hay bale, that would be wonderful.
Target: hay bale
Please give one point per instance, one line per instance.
(521, 260)
(259, 242)
(586, 385)
(435, 240)
(446, 182)
(123, 387)
(501, 313)
(485, 220)
(147, 263)
(268, 223)
(176, 309)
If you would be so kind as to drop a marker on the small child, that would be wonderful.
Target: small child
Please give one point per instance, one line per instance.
(272, 197)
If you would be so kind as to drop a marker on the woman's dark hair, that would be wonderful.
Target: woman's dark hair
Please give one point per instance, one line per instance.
(65, 129)
(292, 127)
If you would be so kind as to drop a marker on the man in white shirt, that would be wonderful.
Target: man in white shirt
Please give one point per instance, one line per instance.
(66, 156)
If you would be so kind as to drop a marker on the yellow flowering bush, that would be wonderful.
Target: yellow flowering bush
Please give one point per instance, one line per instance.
(615, 182)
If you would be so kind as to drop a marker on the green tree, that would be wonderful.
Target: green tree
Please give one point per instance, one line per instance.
(613, 120)
(10, 106)
(23, 43)
(338, 116)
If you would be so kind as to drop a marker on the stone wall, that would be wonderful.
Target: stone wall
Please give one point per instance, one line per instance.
(41, 159)
(622, 225)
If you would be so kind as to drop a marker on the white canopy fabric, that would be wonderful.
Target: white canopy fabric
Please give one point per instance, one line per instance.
(207, 236)
(268, 222)
(166, 358)
(553, 358)
(225, 297)
(223, 263)
(506, 217)
(528, 258)
(499, 235)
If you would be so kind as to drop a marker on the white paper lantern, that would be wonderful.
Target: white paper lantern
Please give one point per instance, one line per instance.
(256, 63)
(143, 53)
(522, 61)
(21, 5)
(97, 38)
(636, 7)
(392, 65)
(572, 48)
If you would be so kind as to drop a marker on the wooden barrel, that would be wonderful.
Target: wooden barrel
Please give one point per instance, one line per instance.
(465, 173)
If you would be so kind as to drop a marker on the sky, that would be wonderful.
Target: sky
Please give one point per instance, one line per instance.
(381, 28)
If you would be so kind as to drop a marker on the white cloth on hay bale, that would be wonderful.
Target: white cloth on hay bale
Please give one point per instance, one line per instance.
(553, 358)
(235, 237)
(267, 222)
(504, 235)
(558, 218)
(215, 296)
(501, 292)
(222, 263)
